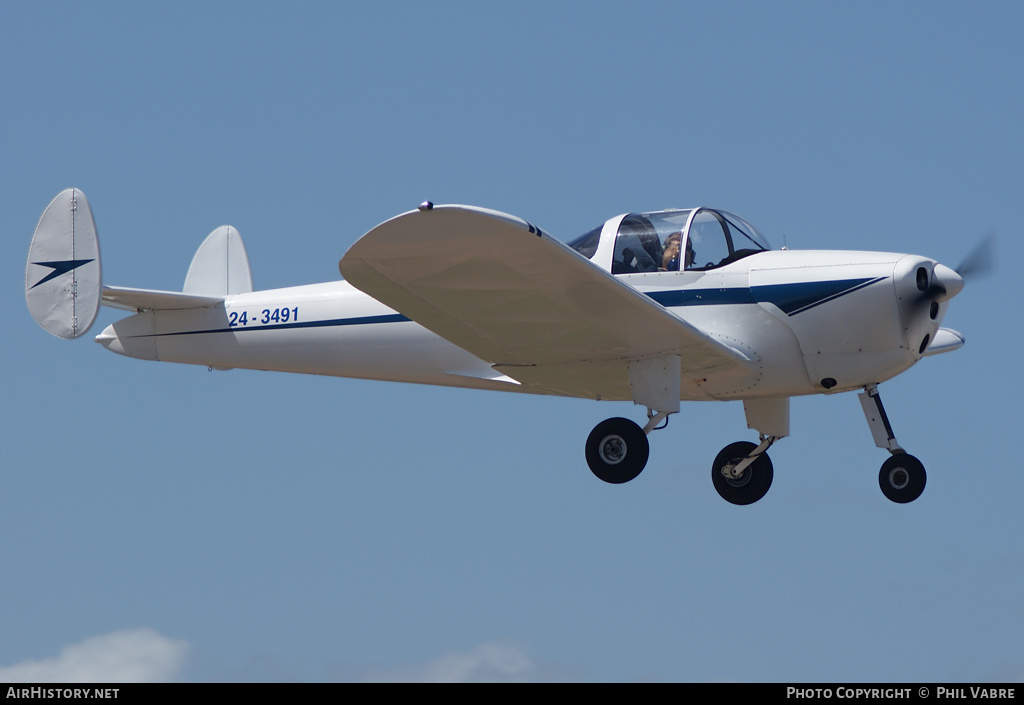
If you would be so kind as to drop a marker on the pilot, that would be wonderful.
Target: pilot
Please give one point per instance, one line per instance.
(670, 258)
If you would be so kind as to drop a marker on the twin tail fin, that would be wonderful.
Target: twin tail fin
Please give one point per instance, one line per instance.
(64, 282)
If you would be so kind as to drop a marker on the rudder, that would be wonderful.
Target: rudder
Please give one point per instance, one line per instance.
(63, 278)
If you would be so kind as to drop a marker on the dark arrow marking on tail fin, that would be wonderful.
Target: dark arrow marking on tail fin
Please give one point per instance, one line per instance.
(59, 267)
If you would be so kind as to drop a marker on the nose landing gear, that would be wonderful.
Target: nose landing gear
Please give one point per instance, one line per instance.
(902, 477)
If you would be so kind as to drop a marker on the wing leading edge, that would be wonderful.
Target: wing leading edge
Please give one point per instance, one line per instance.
(510, 294)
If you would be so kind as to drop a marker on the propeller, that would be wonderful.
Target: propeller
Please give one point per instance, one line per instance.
(981, 260)
(945, 283)
(941, 284)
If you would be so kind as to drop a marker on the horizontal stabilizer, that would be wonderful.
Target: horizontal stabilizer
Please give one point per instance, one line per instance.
(63, 277)
(220, 266)
(150, 300)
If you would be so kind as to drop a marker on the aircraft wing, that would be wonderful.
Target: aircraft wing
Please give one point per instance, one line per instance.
(507, 292)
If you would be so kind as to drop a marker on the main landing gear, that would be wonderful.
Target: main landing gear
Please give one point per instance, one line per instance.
(742, 473)
(902, 477)
(617, 449)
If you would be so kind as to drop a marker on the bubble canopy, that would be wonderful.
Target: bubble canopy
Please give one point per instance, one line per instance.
(666, 241)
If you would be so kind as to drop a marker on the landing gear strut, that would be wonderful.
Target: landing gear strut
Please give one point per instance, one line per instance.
(902, 477)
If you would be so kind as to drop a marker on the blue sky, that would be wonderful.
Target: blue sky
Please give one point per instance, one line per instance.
(173, 523)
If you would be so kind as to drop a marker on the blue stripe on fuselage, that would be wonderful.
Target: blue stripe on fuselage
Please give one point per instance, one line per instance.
(359, 321)
(799, 297)
(790, 298)
(702, 297)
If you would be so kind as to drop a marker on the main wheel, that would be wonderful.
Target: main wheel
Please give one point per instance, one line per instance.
(617, 450)
(749, 487)
(902, 478)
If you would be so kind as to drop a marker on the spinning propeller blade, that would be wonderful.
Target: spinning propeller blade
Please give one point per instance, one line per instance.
(945, 283)
(981, 260)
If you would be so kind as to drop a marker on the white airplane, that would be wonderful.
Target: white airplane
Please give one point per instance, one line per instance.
(653, 308)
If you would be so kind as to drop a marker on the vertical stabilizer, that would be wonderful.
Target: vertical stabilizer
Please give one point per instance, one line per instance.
(220, 267)
(63, 280)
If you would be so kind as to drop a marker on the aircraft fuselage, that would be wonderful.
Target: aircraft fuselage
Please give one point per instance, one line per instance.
(808, 321)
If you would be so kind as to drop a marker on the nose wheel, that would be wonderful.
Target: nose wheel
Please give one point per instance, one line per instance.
(902, 478)
(617, 450)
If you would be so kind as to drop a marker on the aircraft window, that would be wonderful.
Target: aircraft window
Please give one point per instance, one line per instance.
(637, 246)
(708, 245)
(744, 235)
(717, 238)
(586, 244)
(649, 242)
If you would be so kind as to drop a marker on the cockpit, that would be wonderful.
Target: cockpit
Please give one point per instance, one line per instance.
(695, 239)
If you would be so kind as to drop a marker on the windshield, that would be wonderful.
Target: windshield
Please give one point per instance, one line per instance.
(586, 244)
(744, 235)
(671, 240)
(717, 238)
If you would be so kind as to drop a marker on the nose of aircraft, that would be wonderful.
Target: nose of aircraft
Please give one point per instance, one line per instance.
(946, 282)
(923, 290)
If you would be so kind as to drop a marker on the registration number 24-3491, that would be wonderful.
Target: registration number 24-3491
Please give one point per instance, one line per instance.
(267, 315)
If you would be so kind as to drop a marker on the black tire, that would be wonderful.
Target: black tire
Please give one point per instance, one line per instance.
(902, 478)
(749, 487)
(617, 450)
